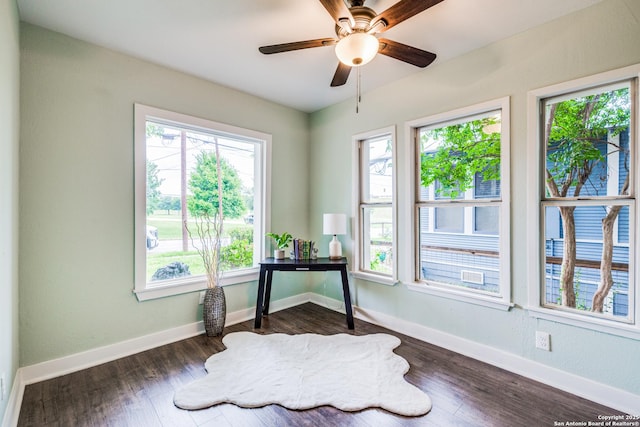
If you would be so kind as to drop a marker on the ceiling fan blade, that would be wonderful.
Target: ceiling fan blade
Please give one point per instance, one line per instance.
(286, 47)
(403, 10)
(411, 55)
(337, 9)
(341, 75)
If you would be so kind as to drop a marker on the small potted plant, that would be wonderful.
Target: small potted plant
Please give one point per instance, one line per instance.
(281, 241)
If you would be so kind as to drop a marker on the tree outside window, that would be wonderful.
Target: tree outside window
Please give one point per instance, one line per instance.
(182, 164)
(586, 205)
(177, 181)
(460, 207)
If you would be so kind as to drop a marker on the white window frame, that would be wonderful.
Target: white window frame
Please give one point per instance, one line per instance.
(502, 299)
(358, 267)
(535, 188)
(262, 187)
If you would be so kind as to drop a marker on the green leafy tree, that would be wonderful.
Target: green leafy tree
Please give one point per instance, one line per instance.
(153, 129)
(169, 203)
(153, 181)
(203, 184)
(153, 187)
(463, 150)
(238, 254)
(574, 132)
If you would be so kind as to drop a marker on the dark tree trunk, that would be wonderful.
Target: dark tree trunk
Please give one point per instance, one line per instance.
(606, 276)
(567, 272)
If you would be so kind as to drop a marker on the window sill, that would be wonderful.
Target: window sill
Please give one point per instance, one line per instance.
(586, 322)
(482, 300)
(376, 278)
(197, 284)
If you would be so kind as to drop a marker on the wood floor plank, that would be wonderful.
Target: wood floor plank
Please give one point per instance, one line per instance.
(138, 390)
(205, 416)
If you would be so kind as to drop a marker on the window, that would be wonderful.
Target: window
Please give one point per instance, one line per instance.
(375, 205)
(586, 196)
(462, 204)
(176, 178)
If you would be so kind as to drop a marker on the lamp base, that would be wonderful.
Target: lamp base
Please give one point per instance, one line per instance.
(335, 248)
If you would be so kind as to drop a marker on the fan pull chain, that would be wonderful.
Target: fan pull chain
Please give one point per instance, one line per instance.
(358, 89)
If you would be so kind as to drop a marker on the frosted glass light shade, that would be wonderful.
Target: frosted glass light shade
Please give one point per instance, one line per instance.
(357, 49)
(334, 223)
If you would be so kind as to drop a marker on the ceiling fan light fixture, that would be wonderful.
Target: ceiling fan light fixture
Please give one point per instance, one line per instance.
(357, 49)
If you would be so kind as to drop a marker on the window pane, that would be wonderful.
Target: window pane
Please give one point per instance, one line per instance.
(182, 184)
(458, 239)
(588, 152)
(453, 154)
(584, 274)
(458, 260)
(486, 189)
(377, 255)
(485, 219)
(449, 220)
(377, 167)
(587, 243)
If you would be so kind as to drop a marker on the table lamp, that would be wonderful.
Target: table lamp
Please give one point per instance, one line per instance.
(335, 224)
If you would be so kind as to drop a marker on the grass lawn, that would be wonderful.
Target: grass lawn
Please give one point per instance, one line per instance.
(170, 226)
(168, 229)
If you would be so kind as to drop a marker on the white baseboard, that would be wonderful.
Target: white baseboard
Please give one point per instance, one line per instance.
(97, 356)
(607, 395)
(12, 411)
(601, 393)
(277, 305)
(330, 303)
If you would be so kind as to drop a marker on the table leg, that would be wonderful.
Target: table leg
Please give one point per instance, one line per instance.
(267, 292)
(347, 298)
(260, 301)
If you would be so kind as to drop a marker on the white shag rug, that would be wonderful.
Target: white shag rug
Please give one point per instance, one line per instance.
(306, 371)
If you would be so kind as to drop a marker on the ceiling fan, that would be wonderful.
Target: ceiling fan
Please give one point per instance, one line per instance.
(356, 29)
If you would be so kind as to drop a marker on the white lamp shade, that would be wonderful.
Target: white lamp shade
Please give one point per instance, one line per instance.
(357, 49)
(333, 223)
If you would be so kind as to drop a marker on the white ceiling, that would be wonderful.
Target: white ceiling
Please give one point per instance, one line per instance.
(218, 40)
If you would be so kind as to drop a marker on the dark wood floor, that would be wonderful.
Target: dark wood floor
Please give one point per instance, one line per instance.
(138, 390)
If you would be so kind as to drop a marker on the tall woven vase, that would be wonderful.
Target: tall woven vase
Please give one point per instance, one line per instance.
(214, 311)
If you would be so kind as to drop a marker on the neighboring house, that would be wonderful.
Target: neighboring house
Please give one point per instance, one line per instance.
(589, 237)
(459, 246)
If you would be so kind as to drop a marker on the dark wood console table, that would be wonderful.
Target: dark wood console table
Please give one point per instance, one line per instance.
(269, 265)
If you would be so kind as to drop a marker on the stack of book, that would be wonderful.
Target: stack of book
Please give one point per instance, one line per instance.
(303, 249)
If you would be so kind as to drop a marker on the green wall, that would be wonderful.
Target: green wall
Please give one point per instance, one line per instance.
(76, 185)
(9, 126)
(593, 40)
(76, 203)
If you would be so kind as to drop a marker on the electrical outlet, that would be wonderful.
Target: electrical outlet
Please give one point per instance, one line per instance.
(202, 297)
(3, 391)
(543, 340)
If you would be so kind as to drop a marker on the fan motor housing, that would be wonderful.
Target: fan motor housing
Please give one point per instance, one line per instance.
(362, 17)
